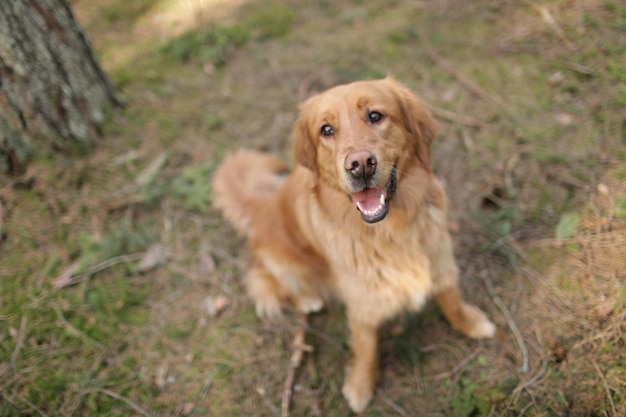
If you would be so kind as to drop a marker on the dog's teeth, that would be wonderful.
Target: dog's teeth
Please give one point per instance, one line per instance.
(374, 211)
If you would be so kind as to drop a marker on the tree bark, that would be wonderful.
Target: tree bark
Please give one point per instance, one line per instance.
(53, 92)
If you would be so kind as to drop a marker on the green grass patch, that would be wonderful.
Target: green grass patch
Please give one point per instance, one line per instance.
(274, 20)
(122, 239)
(620, 207)
(211, 45)
(463, 403)
(122, 11)
(179, 332)
(191, 189)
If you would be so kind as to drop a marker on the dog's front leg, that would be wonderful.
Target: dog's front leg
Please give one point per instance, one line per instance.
(466, 318)
(362, 371)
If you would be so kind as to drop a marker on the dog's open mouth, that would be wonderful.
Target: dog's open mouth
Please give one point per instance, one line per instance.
(373, 203)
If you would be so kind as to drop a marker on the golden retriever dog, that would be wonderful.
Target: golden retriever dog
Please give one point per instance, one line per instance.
(361, 218)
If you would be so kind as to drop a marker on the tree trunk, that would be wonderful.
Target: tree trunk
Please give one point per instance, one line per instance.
(53, 92)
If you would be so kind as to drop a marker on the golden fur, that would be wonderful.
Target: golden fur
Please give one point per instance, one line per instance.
(365, 142)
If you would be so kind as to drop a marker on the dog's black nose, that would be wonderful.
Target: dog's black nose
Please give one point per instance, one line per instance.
(360, 164)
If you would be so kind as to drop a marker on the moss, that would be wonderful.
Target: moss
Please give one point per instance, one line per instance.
(274, 20)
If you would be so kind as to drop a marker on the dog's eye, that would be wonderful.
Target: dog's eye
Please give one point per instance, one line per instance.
(327, 131)
(375, 117)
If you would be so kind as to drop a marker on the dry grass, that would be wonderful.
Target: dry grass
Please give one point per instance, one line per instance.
(530, 96)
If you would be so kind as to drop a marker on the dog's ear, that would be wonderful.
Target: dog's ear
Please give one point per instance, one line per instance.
(303, 145)
(417, 121)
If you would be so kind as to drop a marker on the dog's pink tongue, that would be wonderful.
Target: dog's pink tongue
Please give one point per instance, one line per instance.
(369, 200)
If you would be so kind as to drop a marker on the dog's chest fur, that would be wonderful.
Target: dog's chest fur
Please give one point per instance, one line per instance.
(394, 264)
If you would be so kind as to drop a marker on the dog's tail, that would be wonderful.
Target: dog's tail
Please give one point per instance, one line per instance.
(243, 181)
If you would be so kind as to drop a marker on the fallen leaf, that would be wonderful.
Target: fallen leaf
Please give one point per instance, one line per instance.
(564, 119)
(188, 409)
(453, 227)
(567, 226)
(449, 96)
(160, 379)
(221, 303)
(154, 257)
(147, 175)
(605, 308)
(213, 306)
(206, 263)
(557, 353)
(556, 78)
(64, 279)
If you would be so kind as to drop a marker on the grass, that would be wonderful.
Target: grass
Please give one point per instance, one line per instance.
(211, 45)
(271, 20)
(537, 192)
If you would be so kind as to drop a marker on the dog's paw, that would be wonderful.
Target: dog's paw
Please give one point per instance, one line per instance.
(482, 327)
(308, 305)
(358, 387)
(269, 309)
(358, 394)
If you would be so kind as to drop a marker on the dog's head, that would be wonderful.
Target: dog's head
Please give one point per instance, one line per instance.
(359, 138)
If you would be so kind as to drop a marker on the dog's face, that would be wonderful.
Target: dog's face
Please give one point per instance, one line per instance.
(359, 138)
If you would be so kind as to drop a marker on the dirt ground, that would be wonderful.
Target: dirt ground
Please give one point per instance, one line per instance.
(121, 288)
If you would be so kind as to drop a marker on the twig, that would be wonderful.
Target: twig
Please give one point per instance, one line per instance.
(467, 140)
(465, 82)
(128, 200)
(20, 341)
(453, 117)
(606, 387)
(125, 400)
(603, 335)
(509, 319)
(133, 193)
(67, 281)
(605, 239)
(611, 215)
(510, 243)
(540, 373)
(261, 391)
(457, 371)
(330, 341)
(66, 275)
(304, 87)
(581, 69)
(530, 404)
(299, 347)
(146, 176)
(460, 366)
(392, 404)
(614, 332)
(73, 330)
(207, 384)
(28, 403)
(546, 15)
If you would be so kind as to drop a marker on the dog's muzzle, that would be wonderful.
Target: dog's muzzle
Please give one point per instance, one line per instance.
(373, 203)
